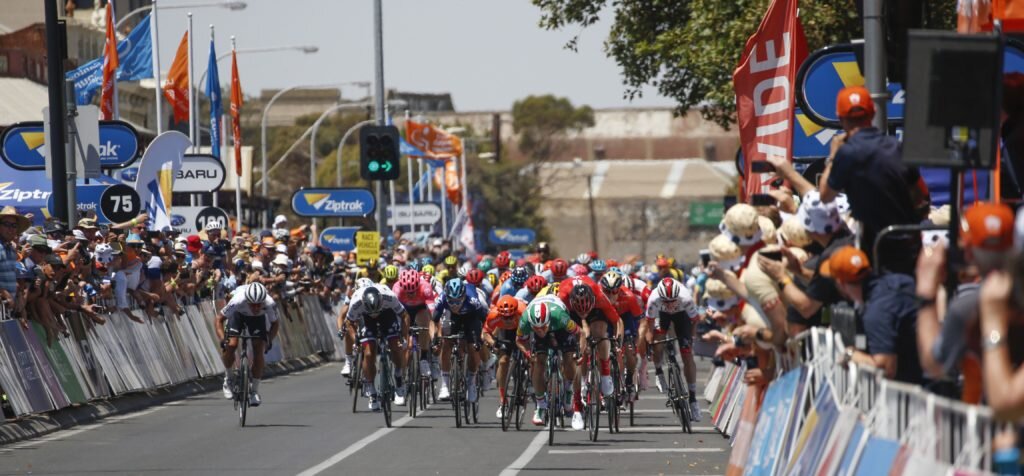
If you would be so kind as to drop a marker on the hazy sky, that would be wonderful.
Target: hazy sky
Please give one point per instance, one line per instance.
(487, 53)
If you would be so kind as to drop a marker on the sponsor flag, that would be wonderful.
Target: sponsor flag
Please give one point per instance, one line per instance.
(108, 96)
(155, 180)
(236, 111)
(176, 87)
(764, 82)
(430, 141)
(135, 62)
(467, 237)
(213, 92)
(449, 175)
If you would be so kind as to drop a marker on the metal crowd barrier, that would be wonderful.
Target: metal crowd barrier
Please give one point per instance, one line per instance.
(99, 361)
(833, 417)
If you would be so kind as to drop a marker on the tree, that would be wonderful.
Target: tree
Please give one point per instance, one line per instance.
(543, 121)
(688, 49)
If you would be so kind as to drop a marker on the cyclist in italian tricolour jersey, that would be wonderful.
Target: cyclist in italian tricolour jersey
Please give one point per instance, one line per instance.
(548, 324)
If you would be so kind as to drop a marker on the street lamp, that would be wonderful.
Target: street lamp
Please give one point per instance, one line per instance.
(230, 5)
(307, 49)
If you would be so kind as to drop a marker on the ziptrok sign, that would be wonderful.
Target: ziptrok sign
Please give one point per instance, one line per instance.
(333, 202)
(24, 145)
(339, 238)
(511, 236)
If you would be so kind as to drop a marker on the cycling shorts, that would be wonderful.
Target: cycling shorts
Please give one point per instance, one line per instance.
(470, 327)
(256, 326)
(564, 341)
(385, 326)
(508, 335)
(682, 324)
(631, 325)
(414, 309)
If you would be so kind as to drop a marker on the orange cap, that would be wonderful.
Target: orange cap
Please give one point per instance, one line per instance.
(847, 264)
(988, 226)
(855, 101)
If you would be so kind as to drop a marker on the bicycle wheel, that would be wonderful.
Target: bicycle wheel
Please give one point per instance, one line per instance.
(519, 393)
(678, 401)
(457, 376)
(506, 404)
(613, 402)
(594, 399)
(243, 387)
(356, 386)
(554, 398)
(386, 388)
(412, 380)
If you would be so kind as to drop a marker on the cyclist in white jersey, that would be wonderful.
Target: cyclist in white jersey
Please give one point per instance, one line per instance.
(250, 308)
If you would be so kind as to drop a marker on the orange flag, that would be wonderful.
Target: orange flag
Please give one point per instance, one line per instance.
(176, 86)
(236, 111)
(435, 142)
(452, 180)
(110, 64)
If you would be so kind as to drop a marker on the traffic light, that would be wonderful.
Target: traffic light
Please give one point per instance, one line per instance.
(379, 156)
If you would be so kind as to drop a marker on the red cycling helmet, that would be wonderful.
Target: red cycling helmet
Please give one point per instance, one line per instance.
(582, 299)
(501, 261)
(475, 276)
(535, 283)
(559, 267)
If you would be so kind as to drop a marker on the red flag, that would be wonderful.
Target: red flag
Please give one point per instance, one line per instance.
(176, 86)
(764, 82)
(110, 64)
(236, 112)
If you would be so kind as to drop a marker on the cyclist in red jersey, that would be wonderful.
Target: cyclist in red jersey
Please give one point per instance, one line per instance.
(500, 334)
(592, 310)
(631, 313)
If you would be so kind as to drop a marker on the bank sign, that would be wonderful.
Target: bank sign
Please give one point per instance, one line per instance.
(24, 145)
(333, 202)
(511, 236)
(339, 238)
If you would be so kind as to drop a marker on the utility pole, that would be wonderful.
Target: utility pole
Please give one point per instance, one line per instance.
(55, 89)
(874, 61)
(378, 58)
(593, 217)
(70, 142)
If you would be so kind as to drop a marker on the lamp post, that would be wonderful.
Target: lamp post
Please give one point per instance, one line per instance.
(307, 49)
(230, 5)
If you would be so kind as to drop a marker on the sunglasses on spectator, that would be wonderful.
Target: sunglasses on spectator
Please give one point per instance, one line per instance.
(9, 224)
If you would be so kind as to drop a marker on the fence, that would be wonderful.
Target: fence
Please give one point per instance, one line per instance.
(820, 417)
(122, 356)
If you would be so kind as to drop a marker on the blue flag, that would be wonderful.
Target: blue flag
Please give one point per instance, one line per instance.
(213, 92)
(135, 54)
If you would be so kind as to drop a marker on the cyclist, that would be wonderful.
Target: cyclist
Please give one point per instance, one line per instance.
(477, 278)
(347, 329)
(514, 283)
(502, 323)
(250, 308)
(583, 258)
(389, 275)
(417, 296)
(631, 313)
(593, 312)
(597, 269)
(557, 272)
(671, 307)
(533, 286)
(547, 322)
(380, 316)
(467, 313)
(501, 264)
(578, 270)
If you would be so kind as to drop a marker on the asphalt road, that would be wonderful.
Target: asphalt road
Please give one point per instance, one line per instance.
(305, 427)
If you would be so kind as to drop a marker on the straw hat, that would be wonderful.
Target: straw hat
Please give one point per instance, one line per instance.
(11, 212)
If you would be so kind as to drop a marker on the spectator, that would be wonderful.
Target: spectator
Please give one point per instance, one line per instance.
(865, 163)
(1002, 332)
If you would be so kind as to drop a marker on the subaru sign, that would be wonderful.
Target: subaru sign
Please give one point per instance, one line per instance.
(199, 173)
(832, 68)
(333, 202)
(23, 145)
(511, 236)
(339, 238)
(131, 174)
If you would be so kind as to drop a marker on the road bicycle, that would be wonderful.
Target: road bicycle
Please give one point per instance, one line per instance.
(678, 397)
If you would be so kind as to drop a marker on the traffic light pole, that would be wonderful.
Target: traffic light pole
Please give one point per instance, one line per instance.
(55, 89)
(378, 57)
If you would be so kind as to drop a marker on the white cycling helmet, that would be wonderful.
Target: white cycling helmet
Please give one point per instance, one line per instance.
(669, 289)
(363, 283)
(256, 293)
(583, 259)
(212, 225)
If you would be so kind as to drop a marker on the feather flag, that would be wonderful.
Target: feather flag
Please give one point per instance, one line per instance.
(236, 112)
(176, 87)
(108, 96)
(213, 92)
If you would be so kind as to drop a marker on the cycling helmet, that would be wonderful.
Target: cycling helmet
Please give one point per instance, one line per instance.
(409, 283)
(212, 225)
(553, 289)
(255, 293)
(539, 315)
(614, 269)
(538, 268)
(363, 282)
(442, 275)
(427, 260)
(451, 261)
(465, 269)
(669, 289)
(610, 263)
(559, 267)
(598, 266)
(507, 306)
(501, 261)
(485, 265)
(427, 269)
(390, 273)
(582, 299)
(373, 302)
(519, 276)
(579, 269)
(493, 279)
(583, 258)
(475, 276)
(535, 283)
(455, 290)
(611, 281)
(626, 269)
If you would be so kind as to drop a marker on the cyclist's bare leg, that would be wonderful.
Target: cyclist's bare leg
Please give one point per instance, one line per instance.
(258, 346)
(501, 372)
(397, 356)
(537, 373)
(473, 360)
(423, 320)
(228, 355)
(369, 361)
(600, 329)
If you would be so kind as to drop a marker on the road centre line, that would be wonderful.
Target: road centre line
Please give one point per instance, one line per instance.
(527, 455)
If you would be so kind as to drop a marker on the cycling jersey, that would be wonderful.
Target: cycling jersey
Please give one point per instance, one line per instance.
(468, 318)
(630, 308)
(508, 288)
(356, 311)
(545, 291)
(551, 278)
(495, 321)
(240, 315)
(422, 298)
(558, 318)
(656, 306)
(602, 306)
(640, 289)
(524, 294)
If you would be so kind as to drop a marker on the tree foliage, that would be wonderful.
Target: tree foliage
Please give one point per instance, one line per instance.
(543, 121)
(688, 49)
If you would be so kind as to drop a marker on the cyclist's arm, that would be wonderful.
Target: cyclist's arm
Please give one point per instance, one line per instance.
(218, 325)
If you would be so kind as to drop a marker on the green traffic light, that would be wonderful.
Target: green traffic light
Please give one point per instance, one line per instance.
(373, 166)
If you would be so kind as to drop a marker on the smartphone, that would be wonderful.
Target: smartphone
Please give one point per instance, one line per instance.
(762, 200)
(705, 257)
(762, 167)
(774, 255)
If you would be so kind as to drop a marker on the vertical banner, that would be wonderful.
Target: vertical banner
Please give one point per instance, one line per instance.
(108, 92)
(764, 82)
(176, 89)
(236, 111)
(213, 92)
(157, 170)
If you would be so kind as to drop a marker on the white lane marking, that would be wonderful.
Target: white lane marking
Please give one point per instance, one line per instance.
(528, 454)
(355, 447)
(62, 434)
(652, 410)
(636, 450)
(669, 429)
